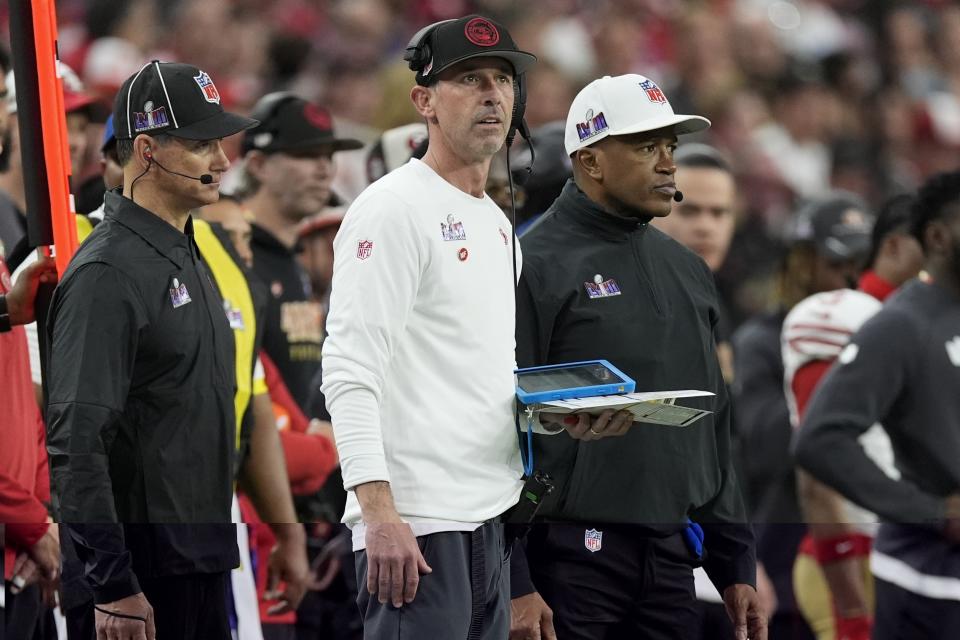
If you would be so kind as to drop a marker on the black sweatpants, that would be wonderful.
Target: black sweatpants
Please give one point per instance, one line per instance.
(904, 615)
(467, 596)
(611, 582)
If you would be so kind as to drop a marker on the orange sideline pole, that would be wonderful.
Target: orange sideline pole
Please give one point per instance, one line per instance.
(54, 127)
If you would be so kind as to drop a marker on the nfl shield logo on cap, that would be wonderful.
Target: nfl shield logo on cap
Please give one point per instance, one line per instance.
(593, 540)
(209, 89)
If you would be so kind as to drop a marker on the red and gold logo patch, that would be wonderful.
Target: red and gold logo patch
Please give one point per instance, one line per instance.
(481, 32)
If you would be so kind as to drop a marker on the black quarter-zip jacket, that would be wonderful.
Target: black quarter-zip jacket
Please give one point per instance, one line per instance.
(140, 418)
(657, 324)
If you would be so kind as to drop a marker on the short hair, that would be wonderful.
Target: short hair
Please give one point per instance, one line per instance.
(125, 147)
(936, 200)
(893, 217)
(701, 156)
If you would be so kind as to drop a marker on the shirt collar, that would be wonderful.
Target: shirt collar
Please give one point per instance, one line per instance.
(593, 215)
(159, 234)
(260, 236)
(876, 286)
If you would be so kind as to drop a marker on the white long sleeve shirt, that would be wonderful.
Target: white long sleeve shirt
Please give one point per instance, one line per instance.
(419, 357)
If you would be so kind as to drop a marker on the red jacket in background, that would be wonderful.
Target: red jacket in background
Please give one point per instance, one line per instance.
(24, 476)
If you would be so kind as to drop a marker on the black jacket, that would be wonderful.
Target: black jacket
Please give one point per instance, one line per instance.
(293, 324)
(141, 390)
(659, 329)
(901, 369)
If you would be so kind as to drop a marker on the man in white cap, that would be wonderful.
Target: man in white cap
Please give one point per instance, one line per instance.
(617, 559)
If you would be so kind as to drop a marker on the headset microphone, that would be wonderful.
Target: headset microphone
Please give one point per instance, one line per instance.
(206, 178)
(678, 196)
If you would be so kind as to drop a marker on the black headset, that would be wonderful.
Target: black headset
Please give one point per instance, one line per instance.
(263, 111)
(419, 54)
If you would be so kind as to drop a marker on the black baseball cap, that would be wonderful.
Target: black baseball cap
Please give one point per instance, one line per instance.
(472, 36)
(839, 226)
(176, 99)
(290, 123)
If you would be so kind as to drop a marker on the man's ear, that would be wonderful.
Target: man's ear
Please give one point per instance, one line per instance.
(936, 237)
(143, 148)
(588, 162)
(423, 98)
(253, 163)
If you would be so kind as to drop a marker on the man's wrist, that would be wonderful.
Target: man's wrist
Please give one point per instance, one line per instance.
(5, 324)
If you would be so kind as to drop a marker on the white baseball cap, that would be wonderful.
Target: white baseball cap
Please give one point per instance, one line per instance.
(616, 106)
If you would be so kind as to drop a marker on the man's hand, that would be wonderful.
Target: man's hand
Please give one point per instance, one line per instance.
(394, 562)
(531, 618)
(288, 563)
(46, 553)
(24, 291)
(583, 426)
(113, 627)
(743, 606)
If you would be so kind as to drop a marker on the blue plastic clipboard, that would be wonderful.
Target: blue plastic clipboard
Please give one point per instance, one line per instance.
(571, 380)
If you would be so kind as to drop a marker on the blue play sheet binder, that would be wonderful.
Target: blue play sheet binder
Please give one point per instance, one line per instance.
(571, 380)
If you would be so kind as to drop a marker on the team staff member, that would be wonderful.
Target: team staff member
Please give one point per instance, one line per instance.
(599, 281)
(419, 358)
(831, 576)
(288, 164)
(140, 415)
(902, 369)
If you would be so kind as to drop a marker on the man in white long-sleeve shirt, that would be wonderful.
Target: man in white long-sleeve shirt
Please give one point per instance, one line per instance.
(419, 358)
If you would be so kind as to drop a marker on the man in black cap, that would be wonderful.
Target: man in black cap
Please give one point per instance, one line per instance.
(288, 165)
(418, 363)
(141, 390)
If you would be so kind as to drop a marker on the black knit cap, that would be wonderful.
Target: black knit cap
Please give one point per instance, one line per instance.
(472, 36)
(176, 99)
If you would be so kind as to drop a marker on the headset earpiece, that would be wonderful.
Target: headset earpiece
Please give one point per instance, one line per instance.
(147, 154)
(418, 53)
(519, 108)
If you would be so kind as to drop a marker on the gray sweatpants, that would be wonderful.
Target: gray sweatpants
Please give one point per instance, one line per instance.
(466, 597)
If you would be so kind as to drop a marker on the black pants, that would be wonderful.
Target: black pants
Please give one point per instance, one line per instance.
(26, 617)
(903, 615)
(190, 607)
(611, 582)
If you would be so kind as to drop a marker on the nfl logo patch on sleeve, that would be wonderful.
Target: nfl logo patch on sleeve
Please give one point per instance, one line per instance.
(364, 249)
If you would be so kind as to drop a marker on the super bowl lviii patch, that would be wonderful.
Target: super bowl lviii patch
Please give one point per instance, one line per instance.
(601, 288)
(592, 125)
(452, 230)
(179, 295)
(150, 117)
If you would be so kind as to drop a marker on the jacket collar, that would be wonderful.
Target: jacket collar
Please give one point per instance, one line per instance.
(575, 204)
(159, 234)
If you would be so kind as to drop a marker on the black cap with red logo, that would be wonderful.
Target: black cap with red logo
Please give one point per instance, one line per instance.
(453, 41)
(290, 123)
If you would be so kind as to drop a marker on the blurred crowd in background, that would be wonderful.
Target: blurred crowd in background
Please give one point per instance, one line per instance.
(804, 95)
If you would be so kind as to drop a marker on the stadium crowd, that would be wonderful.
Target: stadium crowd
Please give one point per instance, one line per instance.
(824, 184)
